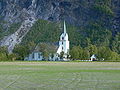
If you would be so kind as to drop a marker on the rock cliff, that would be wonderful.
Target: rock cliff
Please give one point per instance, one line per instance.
(76, 12)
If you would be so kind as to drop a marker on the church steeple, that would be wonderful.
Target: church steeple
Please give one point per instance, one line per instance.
(64, 42)
(64, 28)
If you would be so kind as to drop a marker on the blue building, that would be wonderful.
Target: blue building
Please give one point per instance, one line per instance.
(34, 56)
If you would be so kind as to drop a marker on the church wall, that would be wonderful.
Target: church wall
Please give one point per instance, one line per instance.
(34, 57)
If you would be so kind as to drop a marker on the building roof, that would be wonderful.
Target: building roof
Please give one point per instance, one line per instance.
(93, 56)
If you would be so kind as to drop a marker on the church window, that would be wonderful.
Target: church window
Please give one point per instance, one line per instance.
(33, 55)
(62, 38)
(62, 43)
(38, 55)
(62, 48)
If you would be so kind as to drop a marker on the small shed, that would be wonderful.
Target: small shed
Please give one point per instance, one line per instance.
(93, 58)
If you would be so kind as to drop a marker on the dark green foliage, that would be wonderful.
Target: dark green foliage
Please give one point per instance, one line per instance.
(74, 52)
(92, 49)
(12, 57)
(21, 51)
(107, 54)
(115, 43)
(11, 30)
(90, 39)
(61, 55)
(106, 2)
(13, 27)
(98, 34)
(31, 46)
(1, 32)
(103, 9)
(43, 31)
(5, 56)
(78, 52)
(85, 54)
(102, 53)
(3, 49)
(74, 35)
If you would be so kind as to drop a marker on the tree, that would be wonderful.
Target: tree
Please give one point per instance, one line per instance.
(12, 57)
(21, 50)
(104, 53)
(3, 54)
(92, 49)
(42, 47)
(3, 49)
(62, 55)
(46, 54)
(115, 43)
(115, 56)
(85, 42)
(46, 49)
(80, 49)
(1, 31)
(31, 46)
(74, 52)
(85, 54)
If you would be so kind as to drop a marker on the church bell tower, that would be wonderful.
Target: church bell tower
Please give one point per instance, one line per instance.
(63, 43)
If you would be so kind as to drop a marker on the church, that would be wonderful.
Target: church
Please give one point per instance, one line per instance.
(62, 52)
(63, 49)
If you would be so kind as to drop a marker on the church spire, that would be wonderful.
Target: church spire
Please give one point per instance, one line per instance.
(64, 27)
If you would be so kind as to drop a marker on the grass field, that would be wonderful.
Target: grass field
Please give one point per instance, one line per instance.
(59, 76)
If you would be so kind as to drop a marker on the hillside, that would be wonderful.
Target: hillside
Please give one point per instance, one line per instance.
(94, 22)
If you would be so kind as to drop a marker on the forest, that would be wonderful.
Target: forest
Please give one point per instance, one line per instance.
(93, 27)
(84, 42)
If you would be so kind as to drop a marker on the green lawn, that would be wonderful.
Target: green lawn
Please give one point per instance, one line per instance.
(59, 76)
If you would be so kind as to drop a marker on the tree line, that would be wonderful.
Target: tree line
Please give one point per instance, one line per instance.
(102, 53)
(76, 52)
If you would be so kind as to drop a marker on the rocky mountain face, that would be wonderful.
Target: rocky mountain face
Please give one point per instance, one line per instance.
(77, 12)
(28, 20)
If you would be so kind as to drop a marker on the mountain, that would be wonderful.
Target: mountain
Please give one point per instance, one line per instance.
(94, 21)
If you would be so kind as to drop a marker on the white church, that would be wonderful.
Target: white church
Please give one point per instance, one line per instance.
(63, 47)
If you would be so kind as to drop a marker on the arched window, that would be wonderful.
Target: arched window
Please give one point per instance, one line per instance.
(39, 55)
(62, 38)
(62, 48)
(33, 56)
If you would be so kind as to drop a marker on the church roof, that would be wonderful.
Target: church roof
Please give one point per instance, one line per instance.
(64, 27)
(93, 56)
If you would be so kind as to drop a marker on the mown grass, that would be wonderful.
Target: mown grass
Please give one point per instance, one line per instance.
(59, 75)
